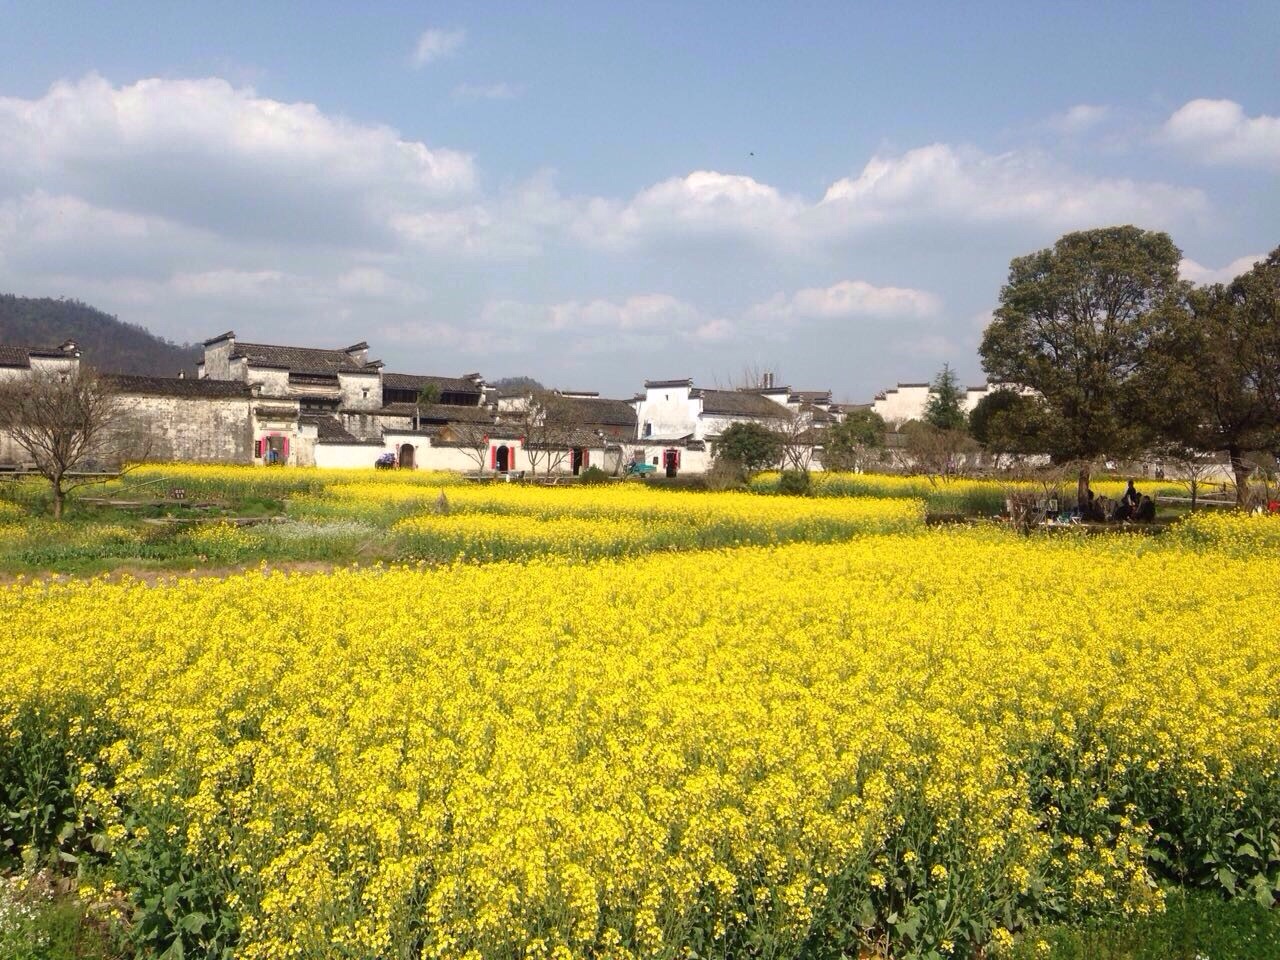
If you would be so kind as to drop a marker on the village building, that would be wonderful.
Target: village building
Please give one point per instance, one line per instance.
(174, 418)
(678, 424)
(908, 401)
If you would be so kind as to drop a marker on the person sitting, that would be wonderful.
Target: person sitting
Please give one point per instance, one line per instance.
(1146, 512)
(1131, 497)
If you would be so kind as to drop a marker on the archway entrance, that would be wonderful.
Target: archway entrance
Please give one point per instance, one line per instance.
(671, 461)
(502, 459)
(406, 456)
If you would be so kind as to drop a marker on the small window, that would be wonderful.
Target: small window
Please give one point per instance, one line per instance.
(648, 428)
(364, 392)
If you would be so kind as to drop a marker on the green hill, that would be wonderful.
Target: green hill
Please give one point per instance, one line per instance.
(106, 343)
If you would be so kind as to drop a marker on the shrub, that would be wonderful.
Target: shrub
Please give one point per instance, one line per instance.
(795, 482)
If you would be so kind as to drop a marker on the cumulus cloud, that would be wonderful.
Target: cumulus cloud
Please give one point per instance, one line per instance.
(848, 300)
(213, 157)
(1200, 274)
(705, 203)
(436, 44)
(952, 183)
(1219, 131)
(940, 183)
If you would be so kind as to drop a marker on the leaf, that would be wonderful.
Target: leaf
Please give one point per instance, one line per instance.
(1227, 877)
(193, 922)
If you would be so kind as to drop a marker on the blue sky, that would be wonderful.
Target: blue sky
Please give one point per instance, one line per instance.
(598, 196)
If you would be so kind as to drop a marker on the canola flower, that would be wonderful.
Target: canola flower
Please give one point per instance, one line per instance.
(964, 494)
(504, 521)
(270, 482)
(794, 750)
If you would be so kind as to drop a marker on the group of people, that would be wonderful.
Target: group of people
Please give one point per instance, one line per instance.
(1131, 506)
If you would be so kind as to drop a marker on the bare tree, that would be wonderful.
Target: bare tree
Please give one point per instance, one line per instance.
(1190, 467)
(798, 435)
(546, 437)
(473, 440)
(71, 426)
(941, 455)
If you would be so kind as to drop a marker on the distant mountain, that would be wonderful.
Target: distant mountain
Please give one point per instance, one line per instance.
(510, 385)
(106, 343)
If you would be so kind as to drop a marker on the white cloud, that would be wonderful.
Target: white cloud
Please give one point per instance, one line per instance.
(1218, 131)
(944, 182)
(1079, 119)
(649, 321)
(704, 203)
(436, 44)
(940, 183)
(486, 91)
(218, 158)
(1199, 274)
(846, 300)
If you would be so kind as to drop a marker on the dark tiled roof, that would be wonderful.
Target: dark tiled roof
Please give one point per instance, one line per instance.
(438, 413)
(12, 355)
(304, 360)
(812, 396)
(658, 384)
(410, 381)
(328, 429)
(180, 387)
(737, 403)
(591, 410)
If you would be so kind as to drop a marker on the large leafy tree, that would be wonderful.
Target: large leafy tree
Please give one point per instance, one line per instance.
(1214, 377)
(848, 444)
(1076, 323)
(752, 446)
(945, 407)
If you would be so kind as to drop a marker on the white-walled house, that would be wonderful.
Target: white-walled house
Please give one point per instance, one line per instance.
(907, 401)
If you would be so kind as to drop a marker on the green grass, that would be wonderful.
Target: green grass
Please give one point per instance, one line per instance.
(36, 927)
(1195, 926)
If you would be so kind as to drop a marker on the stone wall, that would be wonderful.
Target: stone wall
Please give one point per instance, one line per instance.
(193, 428)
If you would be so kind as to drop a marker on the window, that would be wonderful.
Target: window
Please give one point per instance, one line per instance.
(648, 428)
(364, 392)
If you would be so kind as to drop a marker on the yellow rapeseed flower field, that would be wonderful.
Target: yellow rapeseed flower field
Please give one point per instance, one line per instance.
(921, 737)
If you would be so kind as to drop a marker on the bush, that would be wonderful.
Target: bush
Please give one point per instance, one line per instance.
(795, 482)
(593, 475)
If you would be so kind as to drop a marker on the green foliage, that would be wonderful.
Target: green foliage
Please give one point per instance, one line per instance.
(751, 445)
(1076, 323)
(795, 483)
(429, 395)
(1005, 421)
(36, 925)
(1214, 380)
(945, 408)
(593, 475)
(848, 445)
(1194, 926)
(40, 817)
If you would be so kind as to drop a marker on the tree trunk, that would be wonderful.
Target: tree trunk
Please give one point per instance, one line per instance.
(59, 496)
(1195, 488)
(1241, 471)
(1082, 488)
